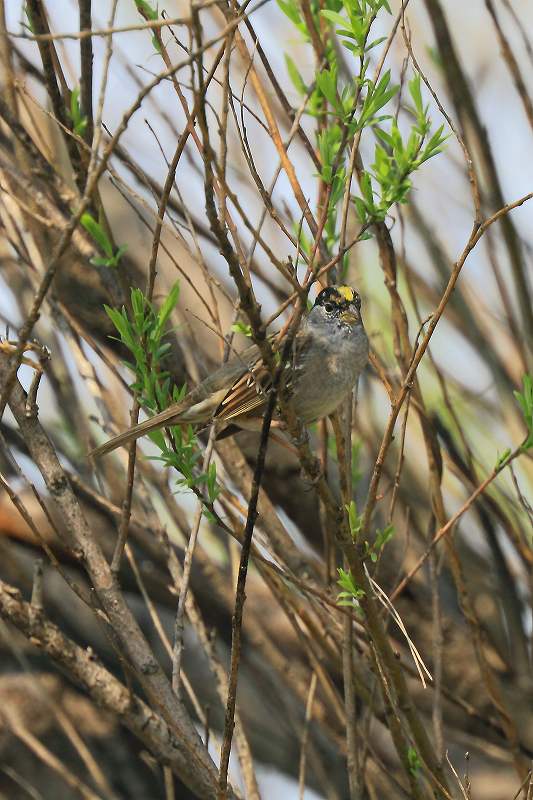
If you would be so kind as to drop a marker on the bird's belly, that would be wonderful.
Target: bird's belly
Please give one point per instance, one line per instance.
(322, 387)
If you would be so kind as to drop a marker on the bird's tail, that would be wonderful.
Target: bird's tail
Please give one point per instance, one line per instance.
(171, 416)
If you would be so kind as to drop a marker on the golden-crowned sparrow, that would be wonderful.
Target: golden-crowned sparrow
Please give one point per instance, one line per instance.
(329, 352)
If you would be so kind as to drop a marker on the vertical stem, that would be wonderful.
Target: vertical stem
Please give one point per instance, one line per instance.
(305, 735)
(437, 656)
(187, 566)
(354, 773)
(86, 76)
(240, 596)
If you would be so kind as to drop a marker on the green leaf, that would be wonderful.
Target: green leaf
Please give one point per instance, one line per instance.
(210, 517)
(146, 9)
(360, 207)
(334, 17)
(30, 25)
(158, 438)
(178, 393)
(99, 261)
(525, 401)
(416, 93)
(375, 43)
(112, 262)
(502, 459)
(118, 319)
(242, 327)
(97, 233)
(139, 304)
(290, 9)
(351, 592)
(118, 255)
(383, 536)
(434, 145)
(434, 55)
(377, 97)
(79, 122)
(354, 519)
(366, 188)
(212, 489)
(384, 136)
(415, 763)
(166, 309)
(327, 83)
(295, 76)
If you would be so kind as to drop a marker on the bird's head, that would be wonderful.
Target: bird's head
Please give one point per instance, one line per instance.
(337, 304)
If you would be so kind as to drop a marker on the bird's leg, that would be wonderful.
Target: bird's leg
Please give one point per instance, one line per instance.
(303, 438)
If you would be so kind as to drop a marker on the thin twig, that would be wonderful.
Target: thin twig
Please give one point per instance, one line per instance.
(240, 595)
(305, 736)
(179, 627)
(452, 521)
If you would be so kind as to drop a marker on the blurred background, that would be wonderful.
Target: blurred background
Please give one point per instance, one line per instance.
(469, 613)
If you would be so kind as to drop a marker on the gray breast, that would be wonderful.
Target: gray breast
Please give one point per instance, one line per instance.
(327, 371)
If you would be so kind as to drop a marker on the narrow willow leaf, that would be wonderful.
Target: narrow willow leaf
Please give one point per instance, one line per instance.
(295, 76)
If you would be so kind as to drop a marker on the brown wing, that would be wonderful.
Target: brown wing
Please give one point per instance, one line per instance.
(208, 401)
(249, 382)
(247, 394)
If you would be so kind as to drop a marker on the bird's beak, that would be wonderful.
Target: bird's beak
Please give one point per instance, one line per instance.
(350, 317)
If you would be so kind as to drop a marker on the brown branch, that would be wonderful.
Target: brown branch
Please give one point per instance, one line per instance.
(86, 670)
(84, 547)
(86, 77)
(240, 596)
(50, 64)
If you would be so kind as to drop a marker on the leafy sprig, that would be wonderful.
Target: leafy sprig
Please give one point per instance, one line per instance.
(151, 14)
(373, 549)
(329, 141)
(351, 593)
(396, 159)
(143, 333)
(355, 28)
(348, 108)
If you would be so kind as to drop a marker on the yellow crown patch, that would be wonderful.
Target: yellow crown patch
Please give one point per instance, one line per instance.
(346, 292)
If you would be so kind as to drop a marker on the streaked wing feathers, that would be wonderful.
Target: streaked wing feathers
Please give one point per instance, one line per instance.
(236, 389)
(246, 395)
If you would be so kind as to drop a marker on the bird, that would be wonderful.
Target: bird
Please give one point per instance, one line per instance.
(328, 353)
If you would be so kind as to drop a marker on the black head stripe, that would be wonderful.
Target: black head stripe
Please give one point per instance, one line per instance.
(341, 296)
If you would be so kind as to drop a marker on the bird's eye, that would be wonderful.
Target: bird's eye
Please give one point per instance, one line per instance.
(328, 307)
